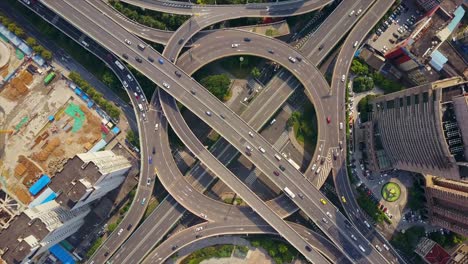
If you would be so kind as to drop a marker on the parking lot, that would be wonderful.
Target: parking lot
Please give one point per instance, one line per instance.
(396, 28)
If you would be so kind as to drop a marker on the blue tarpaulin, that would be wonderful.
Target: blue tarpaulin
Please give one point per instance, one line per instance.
(115, 130)
(39, 185)
(438, 60)
(78, 91)
(84, 97)
(49, 198)
(46, 195)
(64, 256)
(459, 13)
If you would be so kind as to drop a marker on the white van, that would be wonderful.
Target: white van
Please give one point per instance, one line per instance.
(356, 43)
(156, 127)
(367, 224)
(361, 248)
(278, 157)
(341, 125)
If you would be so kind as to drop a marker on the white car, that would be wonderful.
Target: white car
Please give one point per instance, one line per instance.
(128, 42)
(235, 45)
(120, 232)
(165, 84)
(251, 134)
(292, 59)
(200, 228)
(353, 237)
(329, 215)
(313, 167)
(343, 78)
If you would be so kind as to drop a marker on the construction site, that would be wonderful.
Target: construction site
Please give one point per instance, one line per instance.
(43, 122)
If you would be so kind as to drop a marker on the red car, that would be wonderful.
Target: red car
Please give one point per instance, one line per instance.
(385, 209)
(328, 119)
(276, 173)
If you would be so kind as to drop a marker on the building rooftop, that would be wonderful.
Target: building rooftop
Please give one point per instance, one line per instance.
(424, 40)
(67, 182)
(21, 228)
(431, 252)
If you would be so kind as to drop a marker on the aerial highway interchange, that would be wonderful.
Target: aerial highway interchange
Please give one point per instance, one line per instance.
(176, 83)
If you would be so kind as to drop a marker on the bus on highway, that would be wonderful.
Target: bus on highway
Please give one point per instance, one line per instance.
(289, 193)
(119, 65)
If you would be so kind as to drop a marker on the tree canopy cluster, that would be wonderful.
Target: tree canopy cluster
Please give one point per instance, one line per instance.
(365, 108)
(97, 97)
(367, 78)
(218, 85)
(150, 18)
(362, 84)
(305, 126)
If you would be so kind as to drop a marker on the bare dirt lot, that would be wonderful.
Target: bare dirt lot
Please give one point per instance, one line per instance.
(41, 126)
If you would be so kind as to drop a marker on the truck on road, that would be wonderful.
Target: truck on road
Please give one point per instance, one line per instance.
(289, 193)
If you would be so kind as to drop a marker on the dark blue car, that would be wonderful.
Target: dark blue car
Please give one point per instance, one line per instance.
(161, 61)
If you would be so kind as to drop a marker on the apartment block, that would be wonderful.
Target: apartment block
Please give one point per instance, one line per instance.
(84, 179)
(422, 129)
(447, 202)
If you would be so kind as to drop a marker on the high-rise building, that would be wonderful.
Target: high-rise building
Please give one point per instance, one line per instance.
(425, 130)
(422, 129)
(88, 177)
(84, 179)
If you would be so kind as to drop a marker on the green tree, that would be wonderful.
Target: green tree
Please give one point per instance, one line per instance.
(362, 84)
(111, 227)
(387, 85)
(114, 112)
(38, 49)
(31, 41)
(132, 138)
(218, 85)
(5, 21)
(46, 54)
(12, 27)
(359, 68)
(19, 32)
(282, 248)
(255, 72)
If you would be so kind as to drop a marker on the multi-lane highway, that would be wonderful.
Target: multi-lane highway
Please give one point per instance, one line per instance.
(235, 127)
(204, 230)
(341, 178)
(272, 9)
(180, 88)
